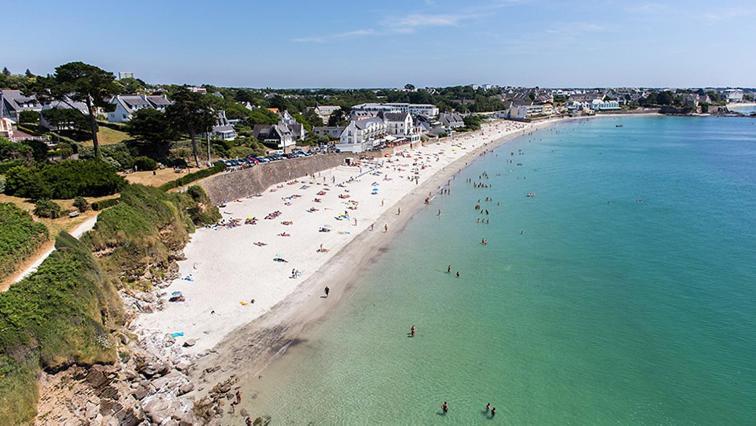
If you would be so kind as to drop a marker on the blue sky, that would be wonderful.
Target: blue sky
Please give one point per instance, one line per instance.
(389, 43)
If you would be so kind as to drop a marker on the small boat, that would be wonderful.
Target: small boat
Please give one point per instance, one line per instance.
(618, 125)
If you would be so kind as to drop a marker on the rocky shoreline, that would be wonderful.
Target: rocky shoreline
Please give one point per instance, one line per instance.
(152, 382)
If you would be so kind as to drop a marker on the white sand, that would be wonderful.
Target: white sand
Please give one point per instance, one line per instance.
(228, 270)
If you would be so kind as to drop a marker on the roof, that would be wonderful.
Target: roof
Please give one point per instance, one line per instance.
(395, 116)
(68, 104)
(158, 100)
(14, 98)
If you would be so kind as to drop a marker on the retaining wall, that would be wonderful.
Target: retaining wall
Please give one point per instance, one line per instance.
(229, 186)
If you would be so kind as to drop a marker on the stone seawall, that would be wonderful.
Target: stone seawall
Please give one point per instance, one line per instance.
(225, 187)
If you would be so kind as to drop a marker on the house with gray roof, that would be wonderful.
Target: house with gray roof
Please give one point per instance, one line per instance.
(398, 123)
(127, 105)
(276, 134)
(12, 102)
(80, 107)
(362, 135)
(451, 120)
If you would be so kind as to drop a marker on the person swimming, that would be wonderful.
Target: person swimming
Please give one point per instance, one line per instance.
(488, 407)
(448, 269)
(445, 407)
(493, 411)
(412, 331)
(457, 274)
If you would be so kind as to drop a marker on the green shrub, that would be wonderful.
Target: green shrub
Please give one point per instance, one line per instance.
(25, 181)
(201, 211)
(64, 180)
(81, 204)
(9, 164)
(191, 177)
(60, 315)
(144, 230)
(20, 236)
(2, 184)
(110, 202)
(48, 209)
(117, 155)
(145, 163)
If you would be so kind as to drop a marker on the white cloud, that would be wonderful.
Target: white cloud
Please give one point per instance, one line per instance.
(335, 36)
(411, 23)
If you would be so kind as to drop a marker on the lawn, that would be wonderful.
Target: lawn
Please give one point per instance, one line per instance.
(108, 136)
(60, 224)
(159, 178)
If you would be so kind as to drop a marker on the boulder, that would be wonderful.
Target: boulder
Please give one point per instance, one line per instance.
(97, 377)
(186, 388)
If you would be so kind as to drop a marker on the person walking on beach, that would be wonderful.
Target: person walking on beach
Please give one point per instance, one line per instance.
(385, 228)
(445, 407)
(327, 290)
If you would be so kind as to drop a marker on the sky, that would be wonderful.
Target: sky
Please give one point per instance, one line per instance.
(388, 43)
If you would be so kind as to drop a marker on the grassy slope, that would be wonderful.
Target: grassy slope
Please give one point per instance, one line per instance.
(108, 136)
(60, 315)
(63, 313)
(20, 237)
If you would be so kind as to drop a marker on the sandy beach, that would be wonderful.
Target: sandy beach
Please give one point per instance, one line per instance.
(235, 273)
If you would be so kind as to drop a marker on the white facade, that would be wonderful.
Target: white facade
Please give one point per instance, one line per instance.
(599, 105)
(522, 112)
(398, 124)
(734, 95)
(414, 109)
(361, 135)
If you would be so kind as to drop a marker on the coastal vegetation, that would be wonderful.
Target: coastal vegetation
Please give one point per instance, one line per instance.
(64, 180)
(136, 239)
(68, 311)
(63, 314)
(20, 236)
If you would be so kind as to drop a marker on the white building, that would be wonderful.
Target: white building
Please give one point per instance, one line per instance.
(734, 95)
(522, 112)
(362, 135)
(325, 112)
(601, 105)
(223, 129)
(427, 110)
(398, 123)
(126, 106)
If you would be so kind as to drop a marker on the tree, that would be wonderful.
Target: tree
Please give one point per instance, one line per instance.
(65, 119)
(28, 74)
(153, 132)
(409, 87)
(6, 72)
(28, 117)
(132, 85)
(82, 83)
(191, 113)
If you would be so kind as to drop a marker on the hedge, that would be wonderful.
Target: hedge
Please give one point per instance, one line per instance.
(100, 205)
(64, 180)
(20, 236)
(60, 315)
(191, 177)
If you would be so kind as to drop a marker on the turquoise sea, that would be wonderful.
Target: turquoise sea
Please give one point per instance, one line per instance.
(624, 292)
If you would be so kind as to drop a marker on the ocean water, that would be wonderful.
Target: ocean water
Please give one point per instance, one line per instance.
(745, 109)
(624, 292)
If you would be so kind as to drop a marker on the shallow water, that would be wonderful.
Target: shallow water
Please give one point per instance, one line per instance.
(623, 292)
